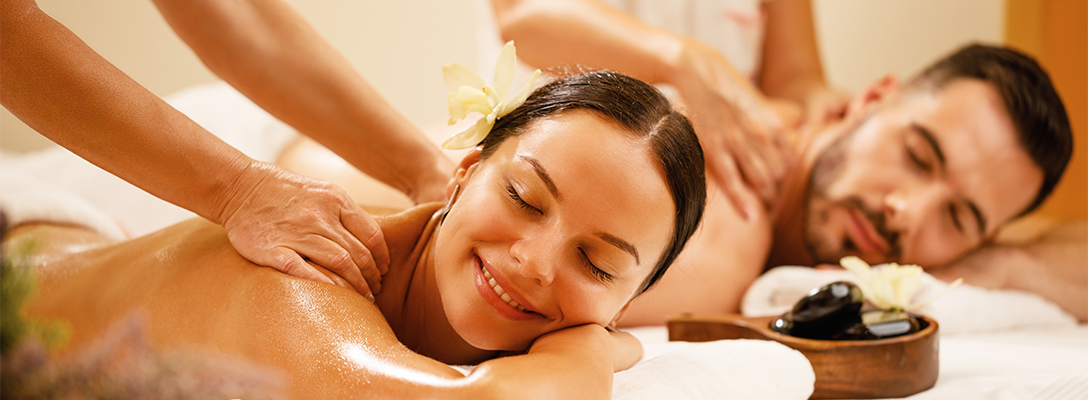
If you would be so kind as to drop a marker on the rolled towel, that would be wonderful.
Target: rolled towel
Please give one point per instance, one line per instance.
(25, 199)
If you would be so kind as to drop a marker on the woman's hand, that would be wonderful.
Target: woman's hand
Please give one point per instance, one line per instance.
(743, 139)
(277, 219)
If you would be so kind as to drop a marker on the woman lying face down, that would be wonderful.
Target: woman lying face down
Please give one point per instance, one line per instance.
(576, 202)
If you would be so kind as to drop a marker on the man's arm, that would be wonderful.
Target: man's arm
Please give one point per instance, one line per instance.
(272, 55)
(1053, 265)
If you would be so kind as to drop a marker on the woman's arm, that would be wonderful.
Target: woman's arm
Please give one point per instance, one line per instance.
(64, 90)
(351, 351)
(269, 53)
(574, 363)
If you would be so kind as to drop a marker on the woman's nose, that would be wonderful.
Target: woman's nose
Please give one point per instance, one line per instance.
(537, 257)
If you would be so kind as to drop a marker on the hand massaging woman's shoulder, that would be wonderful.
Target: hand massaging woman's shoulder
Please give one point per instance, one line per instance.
(59, 86)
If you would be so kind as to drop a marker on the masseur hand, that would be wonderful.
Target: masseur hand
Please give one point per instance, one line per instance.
(741, 135)
(824, 105)
(277, 219)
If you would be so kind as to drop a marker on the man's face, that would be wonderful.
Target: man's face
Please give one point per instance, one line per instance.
(921, 180)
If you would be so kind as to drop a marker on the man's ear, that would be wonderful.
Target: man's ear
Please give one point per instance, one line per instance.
(878, 92)
(464, 170)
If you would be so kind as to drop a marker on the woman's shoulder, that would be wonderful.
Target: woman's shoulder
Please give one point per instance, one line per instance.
(406, 230)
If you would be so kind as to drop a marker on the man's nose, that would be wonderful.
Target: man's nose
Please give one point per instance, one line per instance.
(538, 257)
(913, 203)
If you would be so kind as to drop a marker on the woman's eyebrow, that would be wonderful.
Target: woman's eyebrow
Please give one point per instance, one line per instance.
(543, 174)
(622, 244)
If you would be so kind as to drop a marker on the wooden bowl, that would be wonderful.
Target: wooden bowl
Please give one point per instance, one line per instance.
(850, 369)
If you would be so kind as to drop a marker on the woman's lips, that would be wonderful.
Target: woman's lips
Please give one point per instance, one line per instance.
(865, 235)
(500, 298)
(501, 292)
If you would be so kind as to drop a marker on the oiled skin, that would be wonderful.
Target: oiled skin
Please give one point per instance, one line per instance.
(193, 289)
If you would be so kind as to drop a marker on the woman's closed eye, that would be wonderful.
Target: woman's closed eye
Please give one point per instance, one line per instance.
(597, 272)
(513, 194)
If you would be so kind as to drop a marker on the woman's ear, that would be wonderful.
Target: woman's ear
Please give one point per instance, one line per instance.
(877, 93)
(464, 170)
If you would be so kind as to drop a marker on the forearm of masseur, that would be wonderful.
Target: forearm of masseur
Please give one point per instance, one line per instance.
(569, 32)
(573, 363)
(64, 90)
(791, 67)
(273, 56)
(1051, 265)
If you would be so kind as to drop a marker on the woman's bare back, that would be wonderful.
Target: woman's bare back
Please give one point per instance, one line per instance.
(193, 290)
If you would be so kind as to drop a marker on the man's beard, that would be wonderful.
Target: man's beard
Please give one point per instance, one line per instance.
(828, 169)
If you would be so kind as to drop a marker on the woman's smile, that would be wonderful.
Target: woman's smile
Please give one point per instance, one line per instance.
(502, 299)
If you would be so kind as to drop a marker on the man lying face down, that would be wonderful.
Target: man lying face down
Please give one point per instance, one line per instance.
(925, 174)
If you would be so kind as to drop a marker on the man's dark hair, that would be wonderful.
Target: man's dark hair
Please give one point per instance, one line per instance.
(1030, 99)
(644, 113)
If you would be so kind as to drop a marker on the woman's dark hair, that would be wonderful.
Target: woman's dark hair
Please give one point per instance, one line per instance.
(645, 113)
(1030, 99)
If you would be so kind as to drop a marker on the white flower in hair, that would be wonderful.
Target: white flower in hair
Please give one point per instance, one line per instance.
(890, 286)
(471, 94)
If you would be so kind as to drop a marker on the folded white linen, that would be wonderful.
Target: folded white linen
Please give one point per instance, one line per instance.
(26, 199)
(723, 369)
(1032, 363)
(137, 211)
(965, 309)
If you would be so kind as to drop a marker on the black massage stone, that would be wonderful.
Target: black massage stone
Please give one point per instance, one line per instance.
(833, 312)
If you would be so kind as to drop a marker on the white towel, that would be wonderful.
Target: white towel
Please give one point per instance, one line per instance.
(26, 199)
(965, 309)
(724, 369)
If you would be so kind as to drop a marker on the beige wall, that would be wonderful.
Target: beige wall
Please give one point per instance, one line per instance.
(400, 46)
(862, 40)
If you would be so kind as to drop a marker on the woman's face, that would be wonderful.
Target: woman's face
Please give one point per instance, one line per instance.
(557, 228)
